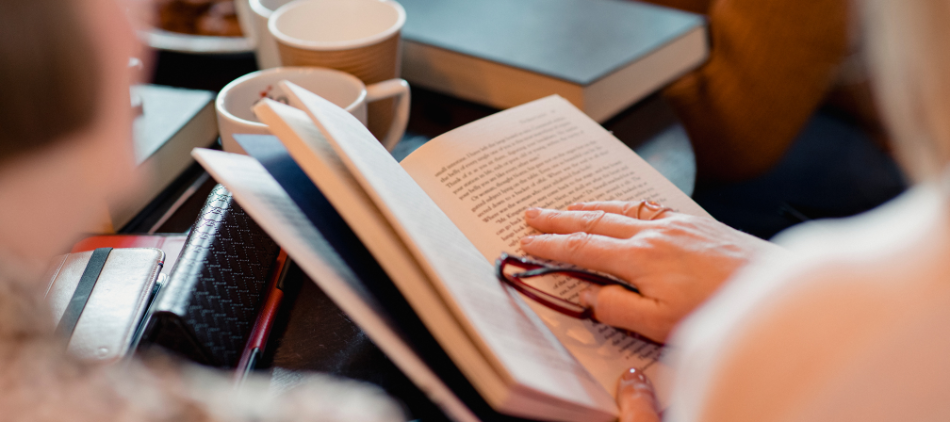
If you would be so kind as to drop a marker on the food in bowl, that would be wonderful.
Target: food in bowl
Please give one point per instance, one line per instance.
(198, 17)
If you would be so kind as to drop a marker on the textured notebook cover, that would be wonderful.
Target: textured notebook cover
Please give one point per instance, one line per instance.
(216, 288)
(579, 41)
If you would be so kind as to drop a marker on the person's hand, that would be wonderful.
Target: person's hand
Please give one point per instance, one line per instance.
(676, 260)
(636, 398)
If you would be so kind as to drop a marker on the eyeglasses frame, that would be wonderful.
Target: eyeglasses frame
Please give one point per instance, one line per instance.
(535, 269)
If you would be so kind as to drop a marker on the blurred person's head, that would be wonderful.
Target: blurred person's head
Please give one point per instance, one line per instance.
(910, 64)
(65, 122)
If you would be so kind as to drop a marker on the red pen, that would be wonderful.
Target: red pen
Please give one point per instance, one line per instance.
(265, 320)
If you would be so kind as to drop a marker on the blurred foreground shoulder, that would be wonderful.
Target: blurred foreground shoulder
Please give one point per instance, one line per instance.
(851, 326)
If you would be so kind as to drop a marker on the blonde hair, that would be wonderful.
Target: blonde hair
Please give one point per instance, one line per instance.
(910, 67)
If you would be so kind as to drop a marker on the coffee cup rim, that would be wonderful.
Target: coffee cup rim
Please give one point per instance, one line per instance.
(219, 100)
(259, 8)
(333, 45)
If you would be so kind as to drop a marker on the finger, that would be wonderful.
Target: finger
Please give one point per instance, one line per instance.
(627, 208)
(632, 209)
(619, 307)
(613, 305)
(595, 252)
(593, 222)
(588, 296)
(636, 398)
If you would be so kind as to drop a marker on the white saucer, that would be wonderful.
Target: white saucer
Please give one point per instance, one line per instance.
(195, 44)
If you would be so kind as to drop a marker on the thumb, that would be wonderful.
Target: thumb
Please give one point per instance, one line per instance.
(621, 308)
(636, 398)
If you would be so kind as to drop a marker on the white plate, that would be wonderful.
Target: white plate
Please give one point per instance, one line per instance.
(196, 44)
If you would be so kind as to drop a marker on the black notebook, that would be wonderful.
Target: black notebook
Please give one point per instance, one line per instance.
(213, 294)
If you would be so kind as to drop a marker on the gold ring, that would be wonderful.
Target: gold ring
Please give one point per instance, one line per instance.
(653, 206)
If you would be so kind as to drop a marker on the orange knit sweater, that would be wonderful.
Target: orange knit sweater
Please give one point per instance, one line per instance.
(772, 64)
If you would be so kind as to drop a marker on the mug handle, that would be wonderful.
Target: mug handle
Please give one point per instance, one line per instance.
(399, 89)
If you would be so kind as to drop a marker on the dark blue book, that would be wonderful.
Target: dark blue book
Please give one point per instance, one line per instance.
(601, 55)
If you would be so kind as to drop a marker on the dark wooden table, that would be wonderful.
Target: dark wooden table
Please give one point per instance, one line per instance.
(312, 334)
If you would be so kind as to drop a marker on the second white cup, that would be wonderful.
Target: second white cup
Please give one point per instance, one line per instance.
(265, 44)
(235, 101)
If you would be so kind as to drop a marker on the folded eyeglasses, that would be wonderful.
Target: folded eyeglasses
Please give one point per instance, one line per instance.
(513, 270)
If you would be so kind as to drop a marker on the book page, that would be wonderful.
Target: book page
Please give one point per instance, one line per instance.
(543, 154)
(544, 380)
(266, 202)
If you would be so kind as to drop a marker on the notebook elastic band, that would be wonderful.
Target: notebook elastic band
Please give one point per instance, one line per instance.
(67, 324)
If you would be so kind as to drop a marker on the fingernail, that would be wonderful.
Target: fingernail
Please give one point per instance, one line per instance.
(589, 296)
(633, 374)
(527, 239)
(577, 205)
(633, 385)
(634, 378)
(532, 212)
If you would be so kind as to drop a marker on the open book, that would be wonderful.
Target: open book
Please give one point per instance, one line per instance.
(435, 225)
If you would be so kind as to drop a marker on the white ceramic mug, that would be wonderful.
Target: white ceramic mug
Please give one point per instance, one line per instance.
(235, 101)
(359, 37)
